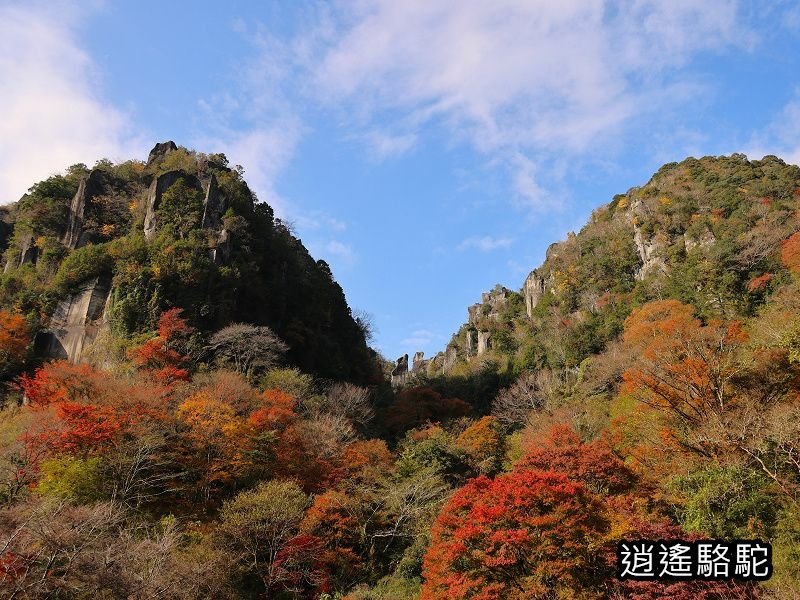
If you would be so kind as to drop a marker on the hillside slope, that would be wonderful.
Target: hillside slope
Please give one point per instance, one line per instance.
(118, 244)
(703, 231)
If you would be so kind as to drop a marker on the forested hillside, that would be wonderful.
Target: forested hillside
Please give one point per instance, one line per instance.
(181, 230)
(218, 428)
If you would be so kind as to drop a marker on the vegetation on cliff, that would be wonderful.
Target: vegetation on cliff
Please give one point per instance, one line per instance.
(643, 384)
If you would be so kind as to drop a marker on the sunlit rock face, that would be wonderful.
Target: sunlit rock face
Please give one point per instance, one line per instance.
(77, 321)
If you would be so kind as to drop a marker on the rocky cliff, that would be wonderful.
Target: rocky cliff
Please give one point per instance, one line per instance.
(705, 231)
(115, 245)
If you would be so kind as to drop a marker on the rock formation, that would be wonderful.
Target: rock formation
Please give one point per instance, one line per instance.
(450, 358)
(532, 290)
(76, 321)
(5, 227)
(400, 371)
(28, 253)
(213, 208)
(484, 342)
(157, 188)
(419, 364)
(213, 204)
(161, 150)
(88, 188)
(472, 342)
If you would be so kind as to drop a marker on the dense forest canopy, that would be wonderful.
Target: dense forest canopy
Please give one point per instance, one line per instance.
(227, 433)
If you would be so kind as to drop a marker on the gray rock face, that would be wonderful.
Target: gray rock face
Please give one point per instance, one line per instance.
(473, 314)
(160, 150)
(419, 364)
(213, 204)
(400, 371)
(213, 209)
(484, 342)
(472, 342)
(77, 321)
(87, 189)
(157, 188)
(221, 253)
(532, 290)
(5, 227)
(706, 240)
(450, 358)
(28, 252)
(648, 254)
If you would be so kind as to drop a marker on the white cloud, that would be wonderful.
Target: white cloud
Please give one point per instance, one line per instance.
(485, 243)
(782, 136)
(520, 80)
(264, 150)
(383, 145)
(52, 112)
(342, 253)
(420, 338)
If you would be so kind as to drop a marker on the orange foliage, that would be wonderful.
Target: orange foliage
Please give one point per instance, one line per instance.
(681, 366)
(525, 534)
(158, 356)
(219, 438)
(363, 460)
(759, 283)
(277, 412)
(61, 381)
(83, 410)
(171, 324)
(790, 253)
(591, 463)
(484, 443)
(83, 428)
(14, 338)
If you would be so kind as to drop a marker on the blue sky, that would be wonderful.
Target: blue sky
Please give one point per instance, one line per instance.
(426, 149)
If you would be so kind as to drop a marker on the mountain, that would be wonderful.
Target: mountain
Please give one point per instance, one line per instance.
(703, 231)
(642, 384)
(116, 245)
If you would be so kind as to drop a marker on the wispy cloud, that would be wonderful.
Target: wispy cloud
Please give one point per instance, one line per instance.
(419, 338)
(383, 145)
(521, 81)
(486, 243)
(782, 135)
(342, 253)
(53, 111)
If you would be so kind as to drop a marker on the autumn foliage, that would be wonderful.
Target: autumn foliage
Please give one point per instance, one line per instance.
(682, 367)
(790, 253)
(14, 339)
(158, 355)
(521, 535)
